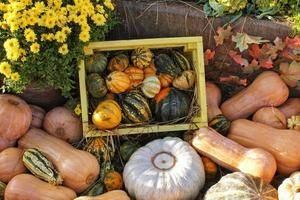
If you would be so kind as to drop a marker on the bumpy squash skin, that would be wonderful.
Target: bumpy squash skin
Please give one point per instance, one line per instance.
(270, 116)
(113, 181)
(115, 194)
(26, 186)
(282, 144)
(259, 94)
(291, 107)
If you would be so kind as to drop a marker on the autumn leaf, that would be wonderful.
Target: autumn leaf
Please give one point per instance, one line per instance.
(238, 58)
(266, 63)
(254, 51)
(242, 40)
(234, 79)
(253, 66)
(290, 73)
(208, 55)
(223, 34)
(290, 55)
(279, 44)
(292, 42)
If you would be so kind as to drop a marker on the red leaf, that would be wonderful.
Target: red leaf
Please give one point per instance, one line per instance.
(222, 34)
(234, 79)
(251, 67)
(254, 51)
(268, 63)
(290, 56)
(208, 55)
(292, 42)
(238, 58)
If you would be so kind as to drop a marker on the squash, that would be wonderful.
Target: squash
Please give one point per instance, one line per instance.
(118, 82)
(64, 124)
(97, 189)
(113, 181)
(164, 64)
(41, 167)
(180, 60)
(136, 108)
(127, 149)
(241, 186)
(289, 188)
(170, 104)
(294, 123)
(136, 76)
(150, 70)
(79, 169)
(160, 170)
(107, 115)
(185, 81)
(6, 143)
(151, 86)
(96, 63)
(115, 194)
(38, 115)
(270, 116)
(141, 57)
(210, 168)
(96, 85)
(26, 186)
(99, 148)
(11, 164)
(232, 155)
(220, 124)
(282, 144)
(2, 190)
(165, 80)
(213, 100)
(261, 93)
(15, 117)
(291, 107)
(118, 63)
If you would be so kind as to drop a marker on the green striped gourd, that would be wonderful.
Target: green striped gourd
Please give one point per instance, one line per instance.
(180, 60)
(96, 63)
(2, 189)
(164, 64)
(41, 167)
(220, 123)
(141, 57)
(96, 85)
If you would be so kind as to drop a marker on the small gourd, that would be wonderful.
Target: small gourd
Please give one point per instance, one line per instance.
(118, 63)
(99, 148)
(127, 149)
(136, 75)
(164, 64)
(185, 81)
(180, 60)
(150, 70)
(2, 189)
(141, 57)
(96, 63)
(289, 188)
(117, 82)
(165, 80)
(113, 181)
(210, 168)
(96, 85)
(151, 86)
(294, 123)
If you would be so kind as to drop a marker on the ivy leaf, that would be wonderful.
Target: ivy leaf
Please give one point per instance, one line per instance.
(238, 58)
(223, 34)
(208, 55)
(242, 40)
(253, 66)
(290, 73)
(234, 79)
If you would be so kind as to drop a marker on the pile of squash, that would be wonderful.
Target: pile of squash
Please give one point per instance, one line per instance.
(139, 87)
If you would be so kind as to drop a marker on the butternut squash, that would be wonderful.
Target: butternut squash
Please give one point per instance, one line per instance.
(270, 116)
(290, 107)
(115, 194)
(26, 186)
(213, 100)
(79, 169)
(6, 143)
(266, 90)
(283, 144)
(233, 156)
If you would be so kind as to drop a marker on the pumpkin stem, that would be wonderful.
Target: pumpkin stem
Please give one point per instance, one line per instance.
(13, 102)
(163, 161)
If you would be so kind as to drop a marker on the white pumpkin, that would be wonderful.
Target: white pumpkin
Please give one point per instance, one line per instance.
(290, 187)
(164, 169)
(151, 86)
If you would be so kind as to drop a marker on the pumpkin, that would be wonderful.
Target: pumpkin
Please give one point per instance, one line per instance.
(164, 64)
(96, 85)
(2, 189)
(165, 80)
(294, 123)
(99, 148)
(11, 164)
(16, 117)
(96, 63)
(241, 186)
(171, 104)
(141, 57)
(79, 169)
(38, 115)
(282, 144)
(151, 86)
(232, 155)
(127, 149)
(113, 181)
(117, 82)
(6, 143)
(115, 194)
(26, 186)
(259, 94)
(180, 60)
(64, 124)
(290, 107)
(220, 123)
(118, 63)
(136, 76)
(270, 116)
(150, 70)
(289, 188)
(160, 170)
(185, 81)
(107, 115)
(210, 168)
(136, 108)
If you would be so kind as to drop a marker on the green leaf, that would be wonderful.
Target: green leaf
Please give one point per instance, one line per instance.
(217, 7)
(242, 40)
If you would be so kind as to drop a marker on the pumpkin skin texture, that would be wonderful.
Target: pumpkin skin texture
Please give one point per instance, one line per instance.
(165, 80)
(96, 85)
(259, 94)
(38, 115)
(26, 186)
(115, 194)
(291, 107)
(136, 76)
(171, 104)
(289, 188)
(62, 123)
(151, 86)
(163, 163)
(16, 117)
(96, 63)
(150, 71)
(232, 155)
(79, 169)
(113, 181)
(282, 144)
(241, 186)
(11, 164)
(118, 82)
(107, 115)
(185, 81)
(141, 57)
(270, 116)
(118, 63)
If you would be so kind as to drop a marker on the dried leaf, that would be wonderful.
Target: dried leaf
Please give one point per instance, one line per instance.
(279, 44)
(253, 66)
(243, 40)
(223, 34)
(290, 73)
(254, 51)
(238, 58)
(267, 63)
(290, 55)
(269, 51)
(292, 42)
(234, 79)
(208, 55)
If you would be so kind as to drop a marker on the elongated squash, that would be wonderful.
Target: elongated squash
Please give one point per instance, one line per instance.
(213, 100)
(290, 107)
(79, 169)
(270, 116)
(233, 156)
(266, 90)
(112, 195)
(283, 144)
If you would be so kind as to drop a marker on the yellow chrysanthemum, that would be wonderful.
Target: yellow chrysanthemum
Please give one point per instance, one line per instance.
(60, 36)
(3, 7)
(35, 48)
(15, 76)
(85, 28)
(99, 19)
(100, 9)
(84, 36)
(5, 69)
(77, 110)
(109, 5)
(63, 49)
(66, 30)
(29, 34)
(12, 43)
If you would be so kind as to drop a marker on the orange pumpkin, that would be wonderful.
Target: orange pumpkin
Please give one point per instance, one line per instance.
(165, 80)
(136, 76)
(113, 181)
(117, 82)
(107, 115)
(150, 70)
(118, 63)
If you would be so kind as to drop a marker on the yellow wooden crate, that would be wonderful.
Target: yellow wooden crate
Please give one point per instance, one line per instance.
(191, 45)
